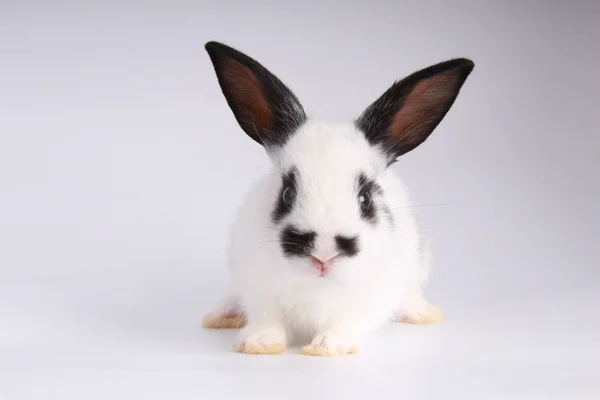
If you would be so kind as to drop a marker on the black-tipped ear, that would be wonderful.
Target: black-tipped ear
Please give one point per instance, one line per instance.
(263, 106)
(408, 112)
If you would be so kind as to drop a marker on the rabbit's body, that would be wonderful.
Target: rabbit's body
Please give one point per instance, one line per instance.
(326, 245)
(296, 295)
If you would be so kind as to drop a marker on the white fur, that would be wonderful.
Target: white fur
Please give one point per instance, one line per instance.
(285, 297)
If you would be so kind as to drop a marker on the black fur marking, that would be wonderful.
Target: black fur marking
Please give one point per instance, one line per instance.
(372, 188)
(388, 213)
(428, 109)
(282, 208)
(364, 183)
(264, 107)
(295, 242)
(347, 246)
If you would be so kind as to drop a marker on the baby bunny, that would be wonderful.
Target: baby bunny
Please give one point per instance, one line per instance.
(325, 247)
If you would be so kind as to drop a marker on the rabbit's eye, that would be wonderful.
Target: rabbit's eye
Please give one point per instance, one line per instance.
(364, 200)
(288, 195)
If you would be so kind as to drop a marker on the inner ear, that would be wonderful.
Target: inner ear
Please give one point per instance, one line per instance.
(423, 104)
(246, 97)
(266, 109)
(408, 112)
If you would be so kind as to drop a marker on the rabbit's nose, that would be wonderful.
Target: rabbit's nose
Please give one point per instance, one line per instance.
(323, 266)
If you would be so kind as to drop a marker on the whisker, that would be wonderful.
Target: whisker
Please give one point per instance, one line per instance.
(419, 205)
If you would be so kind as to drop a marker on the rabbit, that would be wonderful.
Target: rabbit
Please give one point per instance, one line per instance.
(326, 247)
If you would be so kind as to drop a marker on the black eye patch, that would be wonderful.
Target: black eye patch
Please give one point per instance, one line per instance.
(295, 242)
(368, 184)
(286, 196)
(368, 188)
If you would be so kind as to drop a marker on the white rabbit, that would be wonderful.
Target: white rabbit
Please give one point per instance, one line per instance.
(325, 246)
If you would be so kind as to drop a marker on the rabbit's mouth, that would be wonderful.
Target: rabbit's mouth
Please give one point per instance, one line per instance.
(323, 266)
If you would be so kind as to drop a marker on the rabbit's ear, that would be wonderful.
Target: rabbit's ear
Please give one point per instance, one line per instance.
(406, 114)
(263, 106)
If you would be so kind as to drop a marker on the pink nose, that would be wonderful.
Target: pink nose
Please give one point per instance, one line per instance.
(323, 266)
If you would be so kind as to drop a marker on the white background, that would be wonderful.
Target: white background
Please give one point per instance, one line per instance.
(121, 167)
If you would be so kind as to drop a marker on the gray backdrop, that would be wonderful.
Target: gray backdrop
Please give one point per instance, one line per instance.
(121, 167)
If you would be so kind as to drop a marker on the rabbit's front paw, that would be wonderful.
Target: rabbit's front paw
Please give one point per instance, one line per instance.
(329, 344)
(263, 340)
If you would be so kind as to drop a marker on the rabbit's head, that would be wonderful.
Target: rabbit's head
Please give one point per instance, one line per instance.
(332, 206)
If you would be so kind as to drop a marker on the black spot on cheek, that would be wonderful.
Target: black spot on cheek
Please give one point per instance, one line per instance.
(296, 242)
(347, 246)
